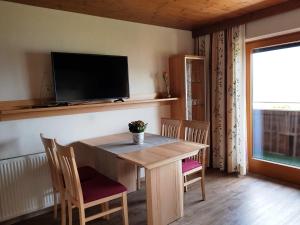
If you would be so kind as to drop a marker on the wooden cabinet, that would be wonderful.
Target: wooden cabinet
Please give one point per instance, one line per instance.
(189, 82)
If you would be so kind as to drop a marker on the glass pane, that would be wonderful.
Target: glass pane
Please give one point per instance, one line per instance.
(276, 104)
(195, 88)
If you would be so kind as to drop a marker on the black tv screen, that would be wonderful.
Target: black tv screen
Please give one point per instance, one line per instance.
(87, 77)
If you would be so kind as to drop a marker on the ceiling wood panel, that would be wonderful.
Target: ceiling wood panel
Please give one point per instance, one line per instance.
(262, 13)
(181, 14)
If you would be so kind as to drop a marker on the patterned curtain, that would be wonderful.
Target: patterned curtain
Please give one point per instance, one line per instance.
(218, 100)
(236, 100)
(227, 96)
(202, 48)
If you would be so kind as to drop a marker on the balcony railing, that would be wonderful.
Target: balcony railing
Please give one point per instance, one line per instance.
(276, 134)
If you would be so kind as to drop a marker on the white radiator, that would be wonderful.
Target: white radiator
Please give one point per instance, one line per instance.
(25, 185)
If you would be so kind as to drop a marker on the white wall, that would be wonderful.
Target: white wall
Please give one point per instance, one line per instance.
(274, 25)
(21, 137)
(27, 36)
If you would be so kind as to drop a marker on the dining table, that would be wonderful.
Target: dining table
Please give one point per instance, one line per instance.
(117, 157)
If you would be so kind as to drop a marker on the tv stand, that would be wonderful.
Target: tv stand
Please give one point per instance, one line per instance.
(119, 100)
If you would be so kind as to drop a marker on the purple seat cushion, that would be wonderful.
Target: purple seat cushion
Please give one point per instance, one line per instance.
(100, 187)
(86, 173)
(189, 164)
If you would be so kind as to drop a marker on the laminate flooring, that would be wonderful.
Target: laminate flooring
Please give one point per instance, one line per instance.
(245, 200)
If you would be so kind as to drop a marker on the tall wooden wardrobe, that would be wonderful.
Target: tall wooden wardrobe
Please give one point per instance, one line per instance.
(189, 82)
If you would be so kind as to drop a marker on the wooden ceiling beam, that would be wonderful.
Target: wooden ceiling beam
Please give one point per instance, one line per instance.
(228, 23)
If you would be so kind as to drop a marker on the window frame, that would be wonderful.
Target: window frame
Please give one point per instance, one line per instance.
(263, 167)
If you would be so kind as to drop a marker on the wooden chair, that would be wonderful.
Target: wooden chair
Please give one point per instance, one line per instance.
(56, 176)
(194, 167)
(85, 173)
(96, 191)
(169, 128)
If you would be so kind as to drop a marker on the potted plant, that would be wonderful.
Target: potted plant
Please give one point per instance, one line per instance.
(137, 129)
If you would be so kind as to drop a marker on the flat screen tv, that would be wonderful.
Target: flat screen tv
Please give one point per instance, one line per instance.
(88, 77)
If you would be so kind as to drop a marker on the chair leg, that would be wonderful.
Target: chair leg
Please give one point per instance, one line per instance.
(105, 207)
(70, 212)
(185, 187)
(203, 188)
(63, 209)
(125, 208)
(55, 204)
(81, 215)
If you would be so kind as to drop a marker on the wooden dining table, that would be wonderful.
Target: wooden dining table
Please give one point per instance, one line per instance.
(118, 158)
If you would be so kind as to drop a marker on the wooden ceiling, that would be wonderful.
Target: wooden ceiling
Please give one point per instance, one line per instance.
(181, 14)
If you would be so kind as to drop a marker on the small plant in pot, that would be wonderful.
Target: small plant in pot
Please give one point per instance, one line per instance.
(137, 128)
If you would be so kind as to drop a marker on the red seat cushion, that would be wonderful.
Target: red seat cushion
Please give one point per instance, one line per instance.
(189, 164)
(87, 173)
(100, 187)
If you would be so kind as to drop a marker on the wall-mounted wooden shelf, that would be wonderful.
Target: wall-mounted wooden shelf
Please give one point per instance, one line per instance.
(25, 112)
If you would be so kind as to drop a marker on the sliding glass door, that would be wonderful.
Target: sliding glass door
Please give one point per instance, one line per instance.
(273, 72)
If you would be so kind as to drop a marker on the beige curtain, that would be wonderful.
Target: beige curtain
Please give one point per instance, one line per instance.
(218, 100)
(202, 48)
(236, 100)
(227, 96)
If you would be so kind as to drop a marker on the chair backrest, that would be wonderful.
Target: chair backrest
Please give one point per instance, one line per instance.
(196, 131)
(170, 128)
(69, 170)
(56, 175)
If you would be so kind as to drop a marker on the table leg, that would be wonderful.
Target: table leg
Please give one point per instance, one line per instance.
(164, 189)
(126, 174)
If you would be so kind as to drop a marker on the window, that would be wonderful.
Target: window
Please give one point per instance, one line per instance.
(276, 102)
(273, 106)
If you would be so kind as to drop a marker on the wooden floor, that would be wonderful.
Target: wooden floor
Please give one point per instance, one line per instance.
(248, 200)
